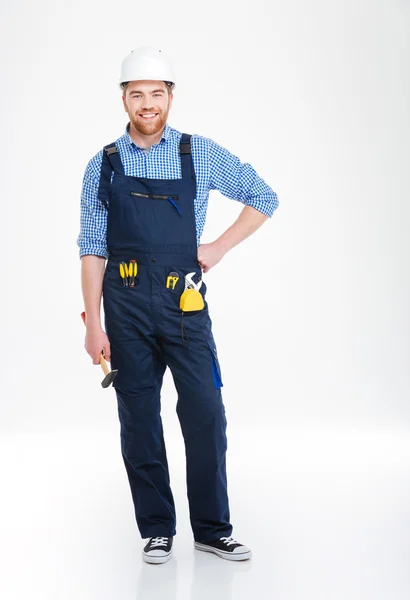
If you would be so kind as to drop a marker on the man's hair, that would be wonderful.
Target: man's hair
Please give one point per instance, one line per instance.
(169, 84)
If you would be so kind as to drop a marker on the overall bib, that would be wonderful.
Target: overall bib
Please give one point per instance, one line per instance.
(152, 221)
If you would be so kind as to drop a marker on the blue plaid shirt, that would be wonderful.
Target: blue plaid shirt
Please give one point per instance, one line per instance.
(215, 168)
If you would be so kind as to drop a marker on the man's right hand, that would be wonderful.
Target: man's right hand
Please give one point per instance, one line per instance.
(96, 341)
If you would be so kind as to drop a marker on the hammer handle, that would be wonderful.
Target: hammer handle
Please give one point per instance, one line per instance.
(104, 365)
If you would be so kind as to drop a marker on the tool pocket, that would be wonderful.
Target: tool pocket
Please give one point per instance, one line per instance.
(216, 369)
(128, 273)
(174, 288)
(173, 199)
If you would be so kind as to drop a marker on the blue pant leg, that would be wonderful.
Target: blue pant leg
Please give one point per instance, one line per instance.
(144, 455)
(138, 384)
(201, 413)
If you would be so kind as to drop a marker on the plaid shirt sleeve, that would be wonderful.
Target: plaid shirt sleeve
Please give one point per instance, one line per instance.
(92, 238)
(239, 181)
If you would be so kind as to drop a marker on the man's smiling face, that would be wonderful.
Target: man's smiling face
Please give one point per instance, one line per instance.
(147, 104)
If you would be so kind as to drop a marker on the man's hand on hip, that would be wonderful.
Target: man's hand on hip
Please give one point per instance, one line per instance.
(209, 255)
(247, 223)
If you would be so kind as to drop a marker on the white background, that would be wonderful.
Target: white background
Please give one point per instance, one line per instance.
(311, 314)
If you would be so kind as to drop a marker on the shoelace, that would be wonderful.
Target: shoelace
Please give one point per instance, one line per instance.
(228, 540)
(158, 541)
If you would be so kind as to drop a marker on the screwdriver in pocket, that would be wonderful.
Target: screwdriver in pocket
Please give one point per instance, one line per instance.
(124, 273)
(132, 270)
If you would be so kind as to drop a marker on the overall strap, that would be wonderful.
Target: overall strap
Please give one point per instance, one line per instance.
(186, 156)
(111, 161)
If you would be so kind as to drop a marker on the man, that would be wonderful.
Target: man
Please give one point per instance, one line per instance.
(143, 208)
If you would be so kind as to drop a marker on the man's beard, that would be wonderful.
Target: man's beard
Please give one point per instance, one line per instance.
(149, 127)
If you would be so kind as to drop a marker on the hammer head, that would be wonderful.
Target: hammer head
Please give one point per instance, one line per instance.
(109, 378)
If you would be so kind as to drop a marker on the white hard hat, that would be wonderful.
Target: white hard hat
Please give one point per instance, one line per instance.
(146, 63)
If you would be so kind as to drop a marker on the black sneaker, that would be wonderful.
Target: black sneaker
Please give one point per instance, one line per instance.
(225, 547)
(158, 550)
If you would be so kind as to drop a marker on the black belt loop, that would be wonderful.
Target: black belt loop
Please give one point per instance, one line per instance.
(185, 144)
(111, 149)
(187, 166)
(105, 176)
(114, 157)
(110, 162)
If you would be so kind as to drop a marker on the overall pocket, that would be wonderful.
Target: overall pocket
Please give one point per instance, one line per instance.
(173, 199)
(216, 369)
(176, 292)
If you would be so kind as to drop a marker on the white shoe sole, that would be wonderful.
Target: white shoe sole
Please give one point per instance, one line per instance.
(222, 553)
(155, 560)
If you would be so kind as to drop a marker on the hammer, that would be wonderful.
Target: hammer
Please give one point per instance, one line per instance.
(109, 375)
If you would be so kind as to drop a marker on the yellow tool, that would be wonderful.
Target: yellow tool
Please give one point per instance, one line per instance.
(132, 270)
(124, 273)
(172, 280)
(191, 299)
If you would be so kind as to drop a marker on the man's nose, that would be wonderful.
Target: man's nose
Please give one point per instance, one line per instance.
(147, 104)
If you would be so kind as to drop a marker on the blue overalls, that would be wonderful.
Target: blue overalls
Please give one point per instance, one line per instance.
(152, 221)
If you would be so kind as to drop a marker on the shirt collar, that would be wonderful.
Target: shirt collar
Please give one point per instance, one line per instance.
(165, 134)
